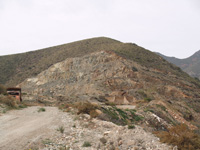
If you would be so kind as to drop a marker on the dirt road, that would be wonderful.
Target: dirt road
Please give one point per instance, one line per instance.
(29, 129)
(19, 128)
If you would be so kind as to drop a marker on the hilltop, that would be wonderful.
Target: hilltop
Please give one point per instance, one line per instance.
(190, 65)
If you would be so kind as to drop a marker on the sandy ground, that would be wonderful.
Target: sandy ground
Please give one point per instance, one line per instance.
(18, 128)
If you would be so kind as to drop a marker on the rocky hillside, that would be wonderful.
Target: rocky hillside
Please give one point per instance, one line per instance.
(16, 68)
(129, 84)
(162, 98)
(189, 65)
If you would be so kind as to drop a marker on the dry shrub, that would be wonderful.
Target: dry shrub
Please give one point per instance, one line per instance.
(85, 107)
(2, 89)
(64, 106)
(9, 101)
(181, 136)
(94, 114)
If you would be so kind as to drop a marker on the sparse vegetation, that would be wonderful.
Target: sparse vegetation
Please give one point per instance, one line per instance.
(149, 109)
(86, 144)
(41, 109)
(61, 129)
(148, 99)
(119, 116)
(22, 105)
(110, 103)
(181, 136)
(131, 127)
(47, 141)
(162, 107)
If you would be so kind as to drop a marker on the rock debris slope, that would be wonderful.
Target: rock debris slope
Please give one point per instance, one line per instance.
(105, 76)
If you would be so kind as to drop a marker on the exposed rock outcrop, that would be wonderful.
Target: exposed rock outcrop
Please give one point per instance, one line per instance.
(105, 76)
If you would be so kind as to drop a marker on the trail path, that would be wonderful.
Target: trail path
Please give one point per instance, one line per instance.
(20, 127)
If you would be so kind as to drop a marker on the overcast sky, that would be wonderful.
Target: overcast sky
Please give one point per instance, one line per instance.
(171, 27)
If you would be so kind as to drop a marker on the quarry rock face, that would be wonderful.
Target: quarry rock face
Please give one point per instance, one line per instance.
(99, 74)
(104, 76)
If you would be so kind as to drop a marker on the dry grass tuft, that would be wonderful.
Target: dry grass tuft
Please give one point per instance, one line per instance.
(85, 107)
(181, 136)
(9, 101)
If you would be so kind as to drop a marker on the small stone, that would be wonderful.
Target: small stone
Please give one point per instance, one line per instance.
(119, 139)
(106, 133)
(135, 148)
(175, 148)
(111, 147)
(103, 140)
(99, 112)
(130, 142)
(120, 142)
(99, 146)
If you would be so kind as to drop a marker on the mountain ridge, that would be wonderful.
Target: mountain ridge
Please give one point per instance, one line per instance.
(16, 68)
(189, 65)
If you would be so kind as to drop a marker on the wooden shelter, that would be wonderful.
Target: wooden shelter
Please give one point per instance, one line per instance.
(15, 92)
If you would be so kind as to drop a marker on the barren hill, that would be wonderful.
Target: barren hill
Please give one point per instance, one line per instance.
(16, 68)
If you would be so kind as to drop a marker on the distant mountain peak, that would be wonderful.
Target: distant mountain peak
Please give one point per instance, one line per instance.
(197, 54)
(190, 65)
